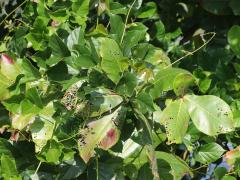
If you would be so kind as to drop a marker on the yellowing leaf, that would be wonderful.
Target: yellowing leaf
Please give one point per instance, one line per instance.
(102, 133)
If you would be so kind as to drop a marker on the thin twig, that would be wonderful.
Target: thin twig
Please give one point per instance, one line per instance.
(37, 168)
(13, 12)
(97, 167)
(126, 20)
(191, 53)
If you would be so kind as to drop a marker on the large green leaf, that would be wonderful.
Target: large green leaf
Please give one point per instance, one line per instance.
(175, 118)
(234, 39)
(210, 114)
(209, 153)
(102, 133)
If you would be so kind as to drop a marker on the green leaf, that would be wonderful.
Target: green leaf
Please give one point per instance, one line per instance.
(5, 148)
(148, 11)
(179, 168)
(81, 61)
(175, 118)
(182, 82)
(210, 114)
(164, 80)
(76, 37)
(117, 26)
(228, 178)
(144, 102)
(60, 15)
(8, 168)
(113, 62)
(157, 57)
(234, 39)
(102, 132)
(103, 100)
(164, 171)
(133, 36)
(80, 10)
(219, 172)
(209, 153)
(38, 35)
(51, 152)
(30, 72)
(58, 47)
(127, 84)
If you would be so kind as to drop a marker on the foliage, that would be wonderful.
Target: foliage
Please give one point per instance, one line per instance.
(114, 89)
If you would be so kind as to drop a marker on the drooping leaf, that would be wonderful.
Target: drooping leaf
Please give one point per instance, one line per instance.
(175, 118)
(210, 114)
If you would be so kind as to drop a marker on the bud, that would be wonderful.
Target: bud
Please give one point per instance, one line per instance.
(9, 68)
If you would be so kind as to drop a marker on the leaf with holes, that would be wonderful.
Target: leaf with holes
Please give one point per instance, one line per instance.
(175, 118)
(102, 133)
(210, 114)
